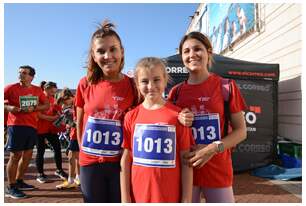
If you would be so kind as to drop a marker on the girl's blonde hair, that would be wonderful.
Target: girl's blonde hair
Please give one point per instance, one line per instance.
(150, 63)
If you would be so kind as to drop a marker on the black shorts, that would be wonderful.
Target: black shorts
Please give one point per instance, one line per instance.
(21, 138)
(73, 145)
(100, 183)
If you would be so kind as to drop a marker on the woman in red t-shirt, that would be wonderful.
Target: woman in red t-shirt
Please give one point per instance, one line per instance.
(47, 131)
(102, 98)
(202, 94)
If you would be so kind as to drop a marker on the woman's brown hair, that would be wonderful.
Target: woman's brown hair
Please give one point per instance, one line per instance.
(203, 39)
(63, 95)
(94, 72)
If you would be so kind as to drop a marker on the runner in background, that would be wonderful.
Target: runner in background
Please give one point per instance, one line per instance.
(155, 143)
(48, 132)
(202, 93)
(66, 99)
(22, 101)
(54, 131)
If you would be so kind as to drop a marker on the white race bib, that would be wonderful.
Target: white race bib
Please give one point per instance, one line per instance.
(154, 145)
(206, 128)
(102, 137)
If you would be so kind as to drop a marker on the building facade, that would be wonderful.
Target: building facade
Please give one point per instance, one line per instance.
(265, 33)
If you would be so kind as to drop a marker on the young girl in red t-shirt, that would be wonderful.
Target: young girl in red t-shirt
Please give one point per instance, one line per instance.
(154, 143)
(66, 100)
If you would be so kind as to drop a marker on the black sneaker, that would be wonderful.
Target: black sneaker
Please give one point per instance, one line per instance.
(41, 178)
(61, 174)
(21, 185)
(14, 193)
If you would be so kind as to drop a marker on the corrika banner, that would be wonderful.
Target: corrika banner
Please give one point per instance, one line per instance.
(258, 84)
(258, 149)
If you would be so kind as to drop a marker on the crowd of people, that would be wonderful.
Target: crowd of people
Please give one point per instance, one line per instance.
(30, 114)
(127, 142)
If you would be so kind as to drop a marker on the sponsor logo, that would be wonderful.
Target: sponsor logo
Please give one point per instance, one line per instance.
(262, 88)
(203, 99)
(254, 148)
(177, 70)
(117, 98)
(251, 115)
(254, 74)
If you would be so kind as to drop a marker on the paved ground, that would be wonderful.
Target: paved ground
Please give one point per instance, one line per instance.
(247, 188)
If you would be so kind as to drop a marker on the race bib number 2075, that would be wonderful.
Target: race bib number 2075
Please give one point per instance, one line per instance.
(28, 101)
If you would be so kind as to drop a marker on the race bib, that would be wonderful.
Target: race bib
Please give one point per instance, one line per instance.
(206, 128)
(154, 145)
(28, 101)
(102, 137)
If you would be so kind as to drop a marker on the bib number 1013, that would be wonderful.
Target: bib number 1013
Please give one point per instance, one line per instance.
(209, 133)
(158, 145)
(206, 128)
(106, 138)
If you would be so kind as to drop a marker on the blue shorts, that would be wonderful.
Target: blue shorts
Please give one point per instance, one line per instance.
(21, 138)
(73, 145)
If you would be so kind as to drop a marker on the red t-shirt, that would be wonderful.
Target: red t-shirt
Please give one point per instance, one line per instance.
(12, 93)
(5, 118)
(107, 100)
(206, 98)
(56, 109)
(156, 184)
(43, 125)
(73, 135)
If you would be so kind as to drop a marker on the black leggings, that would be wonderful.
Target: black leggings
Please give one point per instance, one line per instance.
(55, 143)
(101, 182)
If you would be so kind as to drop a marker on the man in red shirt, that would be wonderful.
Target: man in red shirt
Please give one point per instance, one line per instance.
(22, 101)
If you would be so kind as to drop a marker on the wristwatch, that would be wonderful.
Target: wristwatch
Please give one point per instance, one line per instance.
(220, 146)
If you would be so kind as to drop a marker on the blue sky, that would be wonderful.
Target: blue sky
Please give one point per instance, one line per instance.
(54, 38)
